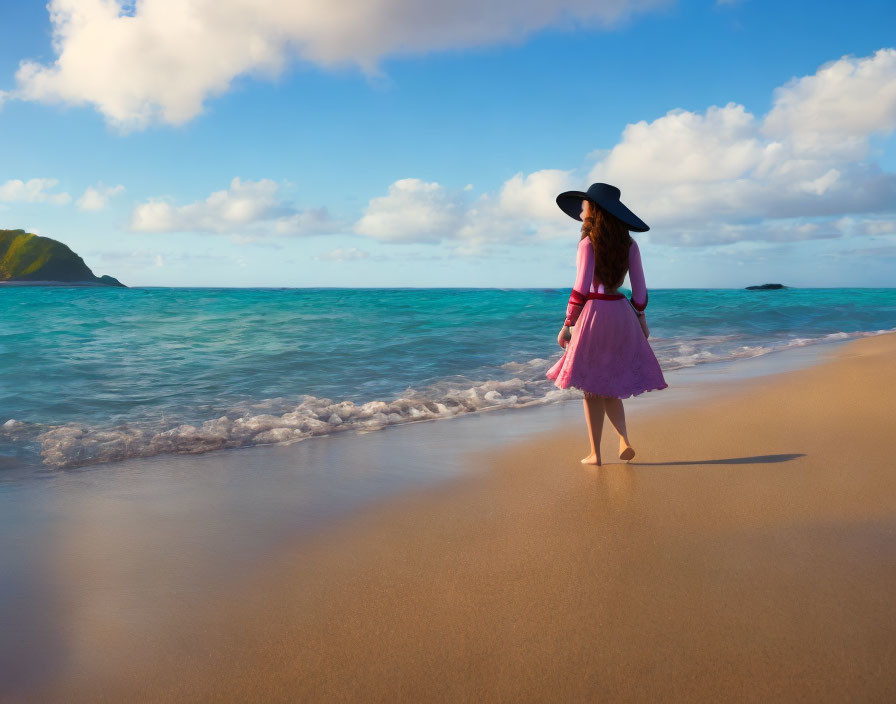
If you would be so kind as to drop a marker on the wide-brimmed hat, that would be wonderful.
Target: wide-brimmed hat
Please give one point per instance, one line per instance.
(607, 197)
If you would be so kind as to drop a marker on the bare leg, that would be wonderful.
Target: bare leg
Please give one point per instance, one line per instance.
(616, 414)
(594, 417)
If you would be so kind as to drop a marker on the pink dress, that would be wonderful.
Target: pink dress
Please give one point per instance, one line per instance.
(608, 353)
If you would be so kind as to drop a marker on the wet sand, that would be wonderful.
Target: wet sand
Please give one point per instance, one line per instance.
(747, 553)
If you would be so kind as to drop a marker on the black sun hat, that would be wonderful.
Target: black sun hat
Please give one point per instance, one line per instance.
(607, 197)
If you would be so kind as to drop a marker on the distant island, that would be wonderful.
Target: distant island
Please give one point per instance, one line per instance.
(27, 259)
(765, 287)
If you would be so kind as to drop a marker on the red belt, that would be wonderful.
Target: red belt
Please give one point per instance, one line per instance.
(606, 296)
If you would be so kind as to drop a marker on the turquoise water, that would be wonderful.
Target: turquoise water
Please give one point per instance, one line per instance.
(89, 375)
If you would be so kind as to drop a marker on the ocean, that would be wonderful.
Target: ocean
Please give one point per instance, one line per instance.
(92, 375)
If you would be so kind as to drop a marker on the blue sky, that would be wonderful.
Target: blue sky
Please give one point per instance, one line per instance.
(425, 148)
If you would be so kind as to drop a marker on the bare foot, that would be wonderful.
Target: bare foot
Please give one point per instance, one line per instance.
(593, 458)
(626, 452)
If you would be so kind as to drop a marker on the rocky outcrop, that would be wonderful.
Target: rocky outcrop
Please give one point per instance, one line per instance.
(29, 259)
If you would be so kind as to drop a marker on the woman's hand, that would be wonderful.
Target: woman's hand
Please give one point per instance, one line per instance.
(643, 320)
(564, 337)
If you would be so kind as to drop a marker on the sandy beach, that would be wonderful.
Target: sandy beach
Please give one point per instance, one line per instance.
(747, 553)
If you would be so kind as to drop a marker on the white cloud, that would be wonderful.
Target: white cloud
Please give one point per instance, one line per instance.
(880, 227)
(343, 255)
(886, 250)
(871, 227)
(682, 146)
(121, 60)
(249, 211)
(697, 178)
(725, 165)
(838, 106)
(413, 211)
(311, 221)
(34, 190)
(686, 167)
(422, 212)
(723, 233)
(533, 195)
(97, 197)
(139, 258)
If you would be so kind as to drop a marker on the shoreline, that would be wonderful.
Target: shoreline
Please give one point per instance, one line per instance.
(746, 553)
(698, 379)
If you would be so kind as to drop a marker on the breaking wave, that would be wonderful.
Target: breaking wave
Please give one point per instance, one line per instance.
(283, 421)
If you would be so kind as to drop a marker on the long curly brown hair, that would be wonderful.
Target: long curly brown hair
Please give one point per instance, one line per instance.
(610, 240)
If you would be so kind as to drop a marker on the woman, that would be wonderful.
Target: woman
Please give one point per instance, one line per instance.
(606, 354)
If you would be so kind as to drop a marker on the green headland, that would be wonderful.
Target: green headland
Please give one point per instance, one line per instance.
(29, 258)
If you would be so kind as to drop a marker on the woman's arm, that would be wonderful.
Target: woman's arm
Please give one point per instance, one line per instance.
(582, 286)
(636, 276)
